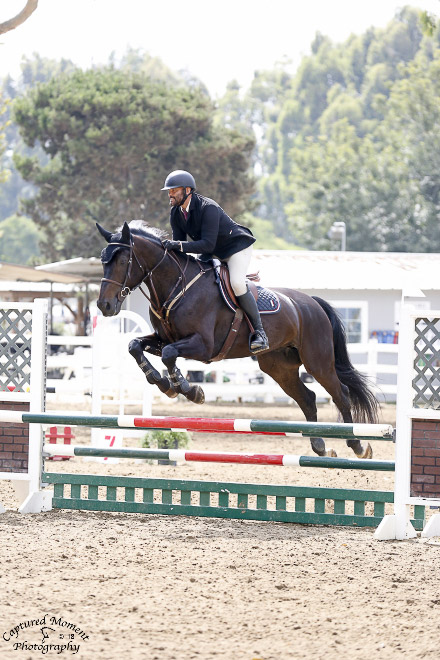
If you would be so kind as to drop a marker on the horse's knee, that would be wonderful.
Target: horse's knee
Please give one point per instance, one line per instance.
(135, 347)
(169, 355)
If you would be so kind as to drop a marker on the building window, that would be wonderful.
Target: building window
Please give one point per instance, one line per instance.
(354, 316)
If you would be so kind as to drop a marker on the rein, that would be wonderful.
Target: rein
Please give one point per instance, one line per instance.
(161, 311)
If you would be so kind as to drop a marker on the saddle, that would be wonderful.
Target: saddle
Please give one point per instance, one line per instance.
(267, 302)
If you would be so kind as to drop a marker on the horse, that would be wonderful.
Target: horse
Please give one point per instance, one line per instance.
(191, 320)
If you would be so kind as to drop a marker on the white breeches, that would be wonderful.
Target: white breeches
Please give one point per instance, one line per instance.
(238, 264)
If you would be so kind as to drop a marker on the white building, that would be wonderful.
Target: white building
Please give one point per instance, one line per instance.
(366, 287)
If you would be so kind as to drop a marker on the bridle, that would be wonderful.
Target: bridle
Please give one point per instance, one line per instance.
(124, 289)
(160, 310)
(173, 300)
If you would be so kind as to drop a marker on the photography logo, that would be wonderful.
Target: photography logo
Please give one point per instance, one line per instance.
(46, 635)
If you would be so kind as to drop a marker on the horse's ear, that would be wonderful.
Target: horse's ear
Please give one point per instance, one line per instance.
(107, 234)
(125, 236)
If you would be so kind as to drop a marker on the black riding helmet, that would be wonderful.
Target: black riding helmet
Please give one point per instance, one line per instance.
(179, 179)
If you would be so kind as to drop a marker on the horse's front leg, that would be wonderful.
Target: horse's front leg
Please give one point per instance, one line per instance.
(192, 347)
(151, 344)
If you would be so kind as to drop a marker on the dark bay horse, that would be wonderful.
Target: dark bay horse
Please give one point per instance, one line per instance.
(191, 320)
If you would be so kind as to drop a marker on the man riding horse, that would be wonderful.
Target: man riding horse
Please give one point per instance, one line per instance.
(213, 234)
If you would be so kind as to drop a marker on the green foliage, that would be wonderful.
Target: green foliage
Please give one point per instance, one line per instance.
(166, 439)
(111, 137)
(3, 125)
(429, 23)
(353, 136)
(33, 72)
(263, 231)
(19, 240)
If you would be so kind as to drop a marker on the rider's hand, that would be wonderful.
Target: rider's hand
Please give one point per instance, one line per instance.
(172, 245)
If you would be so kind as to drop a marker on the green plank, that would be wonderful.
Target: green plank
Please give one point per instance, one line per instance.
(58, 490)
(319, 506)
(111, 493)
(359, 508)
(242, 501)
(379, 509)
(280, 502)
(75, 490)
(223, 510)
(216, 486)
(92, 492)
(219, 512)
(130, 494)
(314, 429)
(185, 497)
(339, 506)
(167, 496)
(223, 498)
(205, 498)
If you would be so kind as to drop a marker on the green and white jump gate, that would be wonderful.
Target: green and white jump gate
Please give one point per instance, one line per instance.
(276, 503)
(307, 505)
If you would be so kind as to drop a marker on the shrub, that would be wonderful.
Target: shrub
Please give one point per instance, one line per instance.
(166, 439)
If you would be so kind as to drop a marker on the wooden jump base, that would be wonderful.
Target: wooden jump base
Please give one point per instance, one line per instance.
(291, 504)
(273, 427)
(182, 455)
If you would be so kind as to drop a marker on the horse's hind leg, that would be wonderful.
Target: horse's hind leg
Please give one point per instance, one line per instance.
(136, 348)
(283, 367)
(341, 398)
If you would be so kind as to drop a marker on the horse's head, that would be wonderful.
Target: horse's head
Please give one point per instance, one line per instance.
(120, 275)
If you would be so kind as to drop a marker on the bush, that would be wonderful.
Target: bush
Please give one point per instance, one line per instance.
(166, 439)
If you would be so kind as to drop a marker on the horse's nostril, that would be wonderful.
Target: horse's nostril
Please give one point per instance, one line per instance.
(102, 305)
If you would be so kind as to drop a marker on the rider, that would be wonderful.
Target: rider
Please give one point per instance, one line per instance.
(213, 233)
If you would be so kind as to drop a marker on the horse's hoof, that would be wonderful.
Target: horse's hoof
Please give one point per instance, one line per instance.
(367, 452)
(196, 395)
(331, 452)
(171, 393)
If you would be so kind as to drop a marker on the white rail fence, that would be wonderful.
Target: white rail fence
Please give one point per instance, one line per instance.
(70, 371)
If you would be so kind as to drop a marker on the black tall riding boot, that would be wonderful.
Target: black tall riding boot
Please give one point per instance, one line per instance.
(258, 341)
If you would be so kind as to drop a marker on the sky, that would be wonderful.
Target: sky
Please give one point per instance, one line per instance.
(215, 41)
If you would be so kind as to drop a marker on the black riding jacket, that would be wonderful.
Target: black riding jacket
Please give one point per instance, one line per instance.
(212, 231)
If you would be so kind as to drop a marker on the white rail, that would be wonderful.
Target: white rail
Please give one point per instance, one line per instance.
(231, 380)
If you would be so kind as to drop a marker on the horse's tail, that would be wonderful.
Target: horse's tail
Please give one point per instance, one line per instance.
(364, 403)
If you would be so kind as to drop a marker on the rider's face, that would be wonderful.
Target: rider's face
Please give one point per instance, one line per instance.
(176, 196)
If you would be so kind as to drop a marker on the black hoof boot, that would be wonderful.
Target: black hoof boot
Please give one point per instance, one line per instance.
(164, 384)
(154, 378)
(179, 383)
(258, 342)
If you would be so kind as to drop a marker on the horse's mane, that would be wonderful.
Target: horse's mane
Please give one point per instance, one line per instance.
(142, 228)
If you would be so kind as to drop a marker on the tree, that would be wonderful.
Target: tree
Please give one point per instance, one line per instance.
(34, 70)
(3, 124)
(20, 18)
(19, 238)
(353, 137)
(111, 137)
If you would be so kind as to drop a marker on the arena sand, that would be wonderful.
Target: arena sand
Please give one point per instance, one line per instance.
(157, 587)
